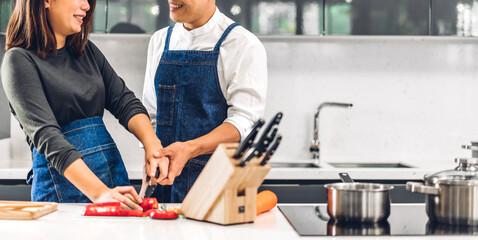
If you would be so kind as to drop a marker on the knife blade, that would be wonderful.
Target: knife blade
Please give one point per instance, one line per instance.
(151, 186)
(271, 150)
(248, 139)
(264, 140)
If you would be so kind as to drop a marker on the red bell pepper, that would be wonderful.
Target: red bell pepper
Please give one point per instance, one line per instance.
(147, 212)
(103, 209)
(149, 203)
(157, 214)
(131, 213)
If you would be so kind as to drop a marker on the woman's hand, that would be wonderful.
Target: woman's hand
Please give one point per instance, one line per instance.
(126, 195)
(141, 127)
(154, 159)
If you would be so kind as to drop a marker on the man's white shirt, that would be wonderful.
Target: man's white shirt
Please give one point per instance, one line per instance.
(242, 67)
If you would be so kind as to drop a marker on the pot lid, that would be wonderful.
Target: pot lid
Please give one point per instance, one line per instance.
(465, 174)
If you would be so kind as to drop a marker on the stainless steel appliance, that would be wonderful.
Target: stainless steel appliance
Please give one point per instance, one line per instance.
(451, 195)
(404, 220)
(358, 202)
(315, 145)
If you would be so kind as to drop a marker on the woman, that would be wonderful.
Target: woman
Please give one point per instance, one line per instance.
(58, 84)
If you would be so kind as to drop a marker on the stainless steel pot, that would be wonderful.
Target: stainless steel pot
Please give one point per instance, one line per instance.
(436, 228)
(452, 195)
(359, 202)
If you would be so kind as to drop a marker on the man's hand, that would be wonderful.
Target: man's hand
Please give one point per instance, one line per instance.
(179, 154)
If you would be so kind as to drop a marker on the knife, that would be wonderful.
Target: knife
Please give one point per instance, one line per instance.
(270, 151)
(264, 140)
(151, 186)
(267, 136)
(249, 138)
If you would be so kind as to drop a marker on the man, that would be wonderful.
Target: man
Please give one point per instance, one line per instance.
(205, 84)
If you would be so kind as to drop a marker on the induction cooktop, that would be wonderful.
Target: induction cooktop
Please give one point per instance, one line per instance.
(404, 220)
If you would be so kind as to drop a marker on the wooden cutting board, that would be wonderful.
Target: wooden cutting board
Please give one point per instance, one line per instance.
(20, 210)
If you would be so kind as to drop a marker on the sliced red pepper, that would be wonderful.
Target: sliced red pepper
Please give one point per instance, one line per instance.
(149, 203)
(104, 204)
(103, 209)
(131, 213)
(157, 214)
(147, 212)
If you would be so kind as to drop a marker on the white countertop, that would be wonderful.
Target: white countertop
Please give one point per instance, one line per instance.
(19, 170)
(67, 223)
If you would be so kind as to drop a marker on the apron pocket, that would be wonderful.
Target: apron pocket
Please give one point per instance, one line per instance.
(98, 163)
(165, 104)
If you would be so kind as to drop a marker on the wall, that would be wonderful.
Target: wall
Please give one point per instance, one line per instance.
(414, 97)
(4, 109)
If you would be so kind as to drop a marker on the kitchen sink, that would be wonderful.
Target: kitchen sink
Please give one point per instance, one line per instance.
(369, 165)
(293, 165)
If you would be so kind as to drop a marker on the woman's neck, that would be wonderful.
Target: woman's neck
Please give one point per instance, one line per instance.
(60, 41)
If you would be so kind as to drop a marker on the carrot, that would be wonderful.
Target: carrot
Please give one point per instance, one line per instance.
(265, 201)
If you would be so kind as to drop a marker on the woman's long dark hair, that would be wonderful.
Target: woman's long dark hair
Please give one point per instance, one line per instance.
(29, 29)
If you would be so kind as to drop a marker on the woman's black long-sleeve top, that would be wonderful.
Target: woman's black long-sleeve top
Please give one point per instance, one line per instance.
(45, 94)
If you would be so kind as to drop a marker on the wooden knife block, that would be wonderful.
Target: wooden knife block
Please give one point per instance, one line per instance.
(225, 193)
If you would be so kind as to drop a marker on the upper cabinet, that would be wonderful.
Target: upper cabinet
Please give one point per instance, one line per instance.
(298, 17)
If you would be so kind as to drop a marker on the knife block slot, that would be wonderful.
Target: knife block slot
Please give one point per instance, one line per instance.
(224, 192)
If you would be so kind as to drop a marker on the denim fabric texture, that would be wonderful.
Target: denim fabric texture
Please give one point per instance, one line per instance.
(90, 137)
(190, 105)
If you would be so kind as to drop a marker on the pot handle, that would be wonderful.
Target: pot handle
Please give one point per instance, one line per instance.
(422, 188)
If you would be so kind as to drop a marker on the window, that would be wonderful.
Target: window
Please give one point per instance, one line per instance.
(298, 17)
(376, 17)
(128, 16)
(455, 17)
(4, 14)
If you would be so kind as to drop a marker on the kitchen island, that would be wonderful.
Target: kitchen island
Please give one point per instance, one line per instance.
(68, 223)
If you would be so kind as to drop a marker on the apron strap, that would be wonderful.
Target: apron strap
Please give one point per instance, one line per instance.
(166, 45)
(224, 35)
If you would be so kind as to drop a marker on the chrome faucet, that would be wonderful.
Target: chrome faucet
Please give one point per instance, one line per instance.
(315, 146)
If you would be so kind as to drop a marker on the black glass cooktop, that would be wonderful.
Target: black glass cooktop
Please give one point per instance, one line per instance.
(404, 220)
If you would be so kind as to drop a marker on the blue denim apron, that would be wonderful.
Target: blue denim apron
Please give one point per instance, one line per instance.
(90, 137)
(190, 104)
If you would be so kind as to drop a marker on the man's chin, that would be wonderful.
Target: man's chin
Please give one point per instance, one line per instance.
(175, 18)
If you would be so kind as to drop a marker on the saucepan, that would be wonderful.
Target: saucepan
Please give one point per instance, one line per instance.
(358, 202)
(451, 195)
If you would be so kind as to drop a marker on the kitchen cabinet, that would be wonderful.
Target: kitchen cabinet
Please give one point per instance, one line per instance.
(297, 192)
(16, 190)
